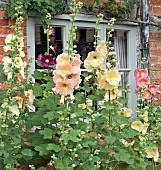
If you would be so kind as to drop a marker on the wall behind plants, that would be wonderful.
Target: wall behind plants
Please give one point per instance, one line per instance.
(155, 39)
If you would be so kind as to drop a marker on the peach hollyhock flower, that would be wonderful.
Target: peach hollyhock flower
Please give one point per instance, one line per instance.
(143, 81)
(147, 94)
(63, 59)
(76, 63)
(102, 48)
(140, 73)
(104, 84)
(152, 153)
(95, 59)
(57, 77)
(63, 88)
(137, 125)
(30, 96)
(153, 89)
(115, 94)
(64, 70)
(113, 77)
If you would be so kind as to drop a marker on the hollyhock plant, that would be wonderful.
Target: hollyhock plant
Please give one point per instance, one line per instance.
(140, 73)
(46, 60)
(153, 89)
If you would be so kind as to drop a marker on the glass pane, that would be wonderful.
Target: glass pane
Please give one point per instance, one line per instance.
(84, 41)
(56, 41)
(119, 42)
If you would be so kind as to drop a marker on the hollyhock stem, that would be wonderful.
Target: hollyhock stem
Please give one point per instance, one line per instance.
(110, 118)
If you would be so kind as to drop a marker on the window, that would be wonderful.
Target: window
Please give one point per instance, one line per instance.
(124, 41)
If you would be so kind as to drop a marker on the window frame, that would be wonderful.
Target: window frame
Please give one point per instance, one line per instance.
(86, 21)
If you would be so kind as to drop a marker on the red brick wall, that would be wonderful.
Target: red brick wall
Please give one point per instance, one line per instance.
(155, 40)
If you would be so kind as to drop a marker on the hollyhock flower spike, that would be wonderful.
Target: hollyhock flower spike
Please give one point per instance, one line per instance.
(46, 60)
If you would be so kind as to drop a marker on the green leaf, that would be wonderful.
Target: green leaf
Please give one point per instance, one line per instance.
(62, 164)
(3, 78)
(37, 90)
(110, 139)
(26, 152)
(38, 75)
(42, 149)
(52, 146)
(49, 116)
(49, 85)
(42, 168)
(47, 133)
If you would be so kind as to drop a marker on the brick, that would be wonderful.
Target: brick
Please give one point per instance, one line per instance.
(157, 66)
(154, 44)
(3, 22)
(2, 13)
(157, 10)
(154, 59)
(155, 36)
(151, 9)
(155, 52)
(155, 2)
(6, 31)
(2, 40)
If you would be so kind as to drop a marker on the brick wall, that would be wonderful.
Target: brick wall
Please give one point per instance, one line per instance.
(155, 40)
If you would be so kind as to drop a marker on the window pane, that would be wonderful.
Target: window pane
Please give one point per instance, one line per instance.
(84, 41)
(56, 41)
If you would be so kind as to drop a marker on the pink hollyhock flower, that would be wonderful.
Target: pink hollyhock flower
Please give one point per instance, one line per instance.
(143, 81)
(153, 89)
(64, 70)
(140, 73)
(46, 60)
(62, 59)
(147, 94)
(63, 88)
(57, 77)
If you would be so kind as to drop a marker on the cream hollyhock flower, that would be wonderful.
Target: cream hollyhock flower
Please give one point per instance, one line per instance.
(145, 127)
(125, 143)
(152, 153)
(9, 37)
(18, 62)
(22, 70)
(22, 54)
(113, 77)
(102, 48)
(7, 62)
(125, 112)
(94, 59)
(14, 109)
(137, 125)
(7, 48)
